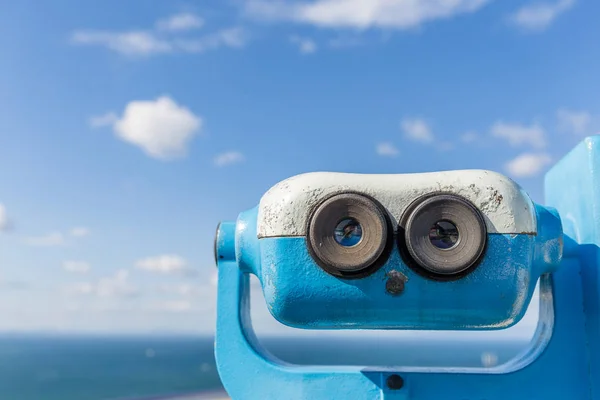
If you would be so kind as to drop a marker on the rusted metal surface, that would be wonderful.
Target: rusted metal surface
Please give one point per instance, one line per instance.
(395, 282)
(285, 208)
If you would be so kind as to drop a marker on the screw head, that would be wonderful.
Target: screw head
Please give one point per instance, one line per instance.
(395, 382)
(395, 283)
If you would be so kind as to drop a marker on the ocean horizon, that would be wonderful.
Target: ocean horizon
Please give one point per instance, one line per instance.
(75, 366)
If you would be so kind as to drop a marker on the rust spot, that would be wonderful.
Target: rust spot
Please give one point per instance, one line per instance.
(497, 198)
(395, 282)
(492, 201)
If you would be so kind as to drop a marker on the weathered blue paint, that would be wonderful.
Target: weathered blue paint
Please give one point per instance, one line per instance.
(301, 294)
(563, 361)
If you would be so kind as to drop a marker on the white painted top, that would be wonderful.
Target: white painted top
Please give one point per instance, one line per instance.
(284, 210)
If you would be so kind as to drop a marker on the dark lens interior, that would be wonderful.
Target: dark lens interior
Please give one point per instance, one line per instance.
(348, 232)
(443, 235)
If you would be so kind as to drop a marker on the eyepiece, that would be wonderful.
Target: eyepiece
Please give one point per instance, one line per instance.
(215, 245)
(348, 232)
(349, 235)
(224, 245)
(444, 235)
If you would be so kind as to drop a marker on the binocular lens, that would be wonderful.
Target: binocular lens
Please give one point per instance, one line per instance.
(348, 232)
(444, 235)
(348, 235)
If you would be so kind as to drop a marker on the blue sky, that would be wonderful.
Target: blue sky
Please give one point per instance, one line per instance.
(129, 129)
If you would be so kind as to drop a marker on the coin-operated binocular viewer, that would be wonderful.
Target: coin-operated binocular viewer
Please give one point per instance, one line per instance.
(455, 250)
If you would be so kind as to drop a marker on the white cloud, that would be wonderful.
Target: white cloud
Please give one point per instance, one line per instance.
(78, 267)
(51, 239)
(117, 285)
(133, 43)
(536, 17)
(417, 130)
(577, 122)
(161, 128)
(528, 164)
(184, 289)
(107, 119)
(386, 149)
(167, 263)
(79, 231)
(180, 22)
(305, 45)
(228, 158)
(175, 306)
(146, 43)
(4, 221)
(396, 14)
(81, 288)
(518, 135)
(231, 37)
(56, 238)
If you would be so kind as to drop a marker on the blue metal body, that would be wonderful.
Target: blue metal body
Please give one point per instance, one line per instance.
(563, 361)
(364, 303)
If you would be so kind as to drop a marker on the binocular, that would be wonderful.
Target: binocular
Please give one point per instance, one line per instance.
(452, 250)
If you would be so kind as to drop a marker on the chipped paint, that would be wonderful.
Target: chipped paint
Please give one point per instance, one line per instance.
(285, 209)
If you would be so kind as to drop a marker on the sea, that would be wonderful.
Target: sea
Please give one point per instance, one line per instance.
(91, 367)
